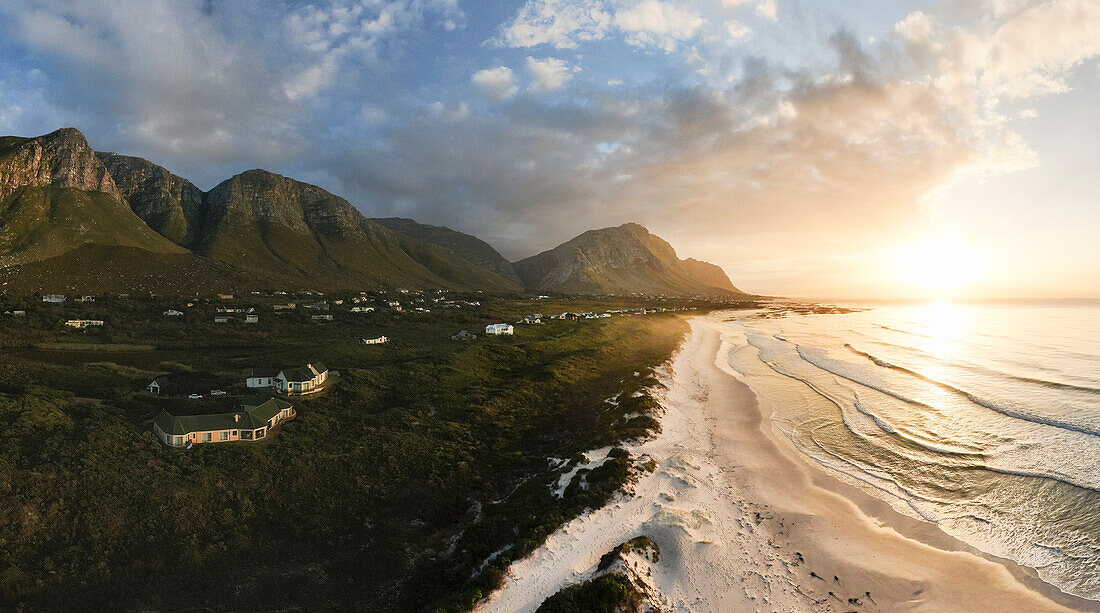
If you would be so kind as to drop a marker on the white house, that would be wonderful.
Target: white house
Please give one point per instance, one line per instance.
(295, 381)
(251, 318)
(322, 318)
(156, 385)
(499, 329)
(86, 299)
(84, 323)
(173, 313)
(357, 309)
(374, 341)
(55, 298)
(261, 379)
(221, 319)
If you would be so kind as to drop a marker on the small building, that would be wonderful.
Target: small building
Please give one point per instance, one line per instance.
(19, 313)
(173, 313)
(322, 318)
(359, 309)
(158, 385)
(225, 296)
(299, 381)
(251, 318)
(54, 298)
(290, 306)
(378, 340)
(499, 329)
(254, 421)
(463, 335)
(532, 319)
(84, 323)
(261, 379)
(221, 319)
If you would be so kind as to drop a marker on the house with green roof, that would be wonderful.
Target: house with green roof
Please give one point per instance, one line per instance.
(257, 416)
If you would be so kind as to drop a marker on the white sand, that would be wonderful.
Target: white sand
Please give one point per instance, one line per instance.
(742, 522)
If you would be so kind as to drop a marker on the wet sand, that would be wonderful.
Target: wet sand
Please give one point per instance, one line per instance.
(746, 524)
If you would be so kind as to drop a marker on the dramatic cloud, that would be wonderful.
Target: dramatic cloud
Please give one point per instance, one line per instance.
(743, 130)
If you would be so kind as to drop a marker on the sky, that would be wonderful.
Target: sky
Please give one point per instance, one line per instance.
(868, 148)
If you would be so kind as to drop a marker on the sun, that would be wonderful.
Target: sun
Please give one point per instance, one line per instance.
(942, 262)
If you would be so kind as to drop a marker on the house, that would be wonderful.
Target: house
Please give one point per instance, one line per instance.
(221, 319)
(357, 309)
(19, 313)
(261, 379)
(252, 422)
(463, 336)
(157, 385)
(84, 323)
(54, 298)
(225, 296)
(499, 329)
(322, 318)
(173, 313)
(374, 341)
(86, 299)
(532, 319)
(304, 380)
(284, 307)
(251, 318)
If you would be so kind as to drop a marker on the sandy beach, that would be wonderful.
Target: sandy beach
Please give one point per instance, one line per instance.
(745, 524)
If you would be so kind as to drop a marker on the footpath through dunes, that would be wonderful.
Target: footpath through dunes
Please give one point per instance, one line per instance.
(744, 524)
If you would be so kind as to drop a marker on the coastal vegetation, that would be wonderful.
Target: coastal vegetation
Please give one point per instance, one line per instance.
(409, 485)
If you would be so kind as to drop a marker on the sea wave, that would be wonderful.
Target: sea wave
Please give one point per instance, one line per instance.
(1015, 412)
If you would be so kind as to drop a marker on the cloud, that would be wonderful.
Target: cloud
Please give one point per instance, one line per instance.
(549, 74)
(558, 23)
(564, 24)
(658, 23)
(768, 9)
(499, 83)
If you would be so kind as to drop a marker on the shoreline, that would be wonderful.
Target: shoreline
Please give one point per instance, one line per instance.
(745, 523)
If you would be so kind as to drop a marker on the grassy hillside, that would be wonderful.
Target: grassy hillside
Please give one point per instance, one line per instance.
(41, 222)
(386, 493)
(94, 269)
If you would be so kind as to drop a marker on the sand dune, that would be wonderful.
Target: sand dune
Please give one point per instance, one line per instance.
(744, 524)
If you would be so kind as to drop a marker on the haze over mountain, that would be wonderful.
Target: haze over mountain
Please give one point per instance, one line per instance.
(623, 259)
(468, 246)
(66, 208)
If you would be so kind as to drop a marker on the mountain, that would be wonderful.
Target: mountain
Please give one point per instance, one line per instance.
(620, 260)
(469, 247)
(55, 195)
(171, 205)
(259, 219)
(58, 195)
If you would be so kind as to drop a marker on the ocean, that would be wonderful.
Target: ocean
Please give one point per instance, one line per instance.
(982, 418)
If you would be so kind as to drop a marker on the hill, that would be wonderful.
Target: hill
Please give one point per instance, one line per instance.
(620, 260)
(468, 246)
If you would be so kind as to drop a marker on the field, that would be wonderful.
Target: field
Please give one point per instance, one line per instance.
(408, 485)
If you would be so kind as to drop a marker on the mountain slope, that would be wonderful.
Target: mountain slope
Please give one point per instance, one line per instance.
(259, 219)
(469, 247)
(169, 204)
(56, 195)
(623, 259)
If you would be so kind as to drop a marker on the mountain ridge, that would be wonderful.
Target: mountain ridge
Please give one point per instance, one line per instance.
(58, 194)
(620, 259)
